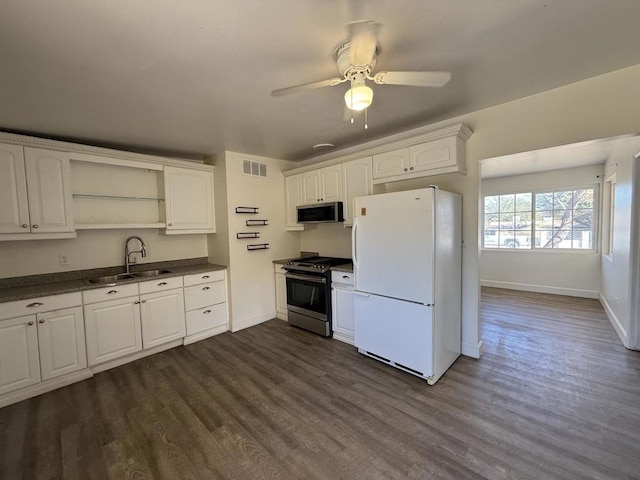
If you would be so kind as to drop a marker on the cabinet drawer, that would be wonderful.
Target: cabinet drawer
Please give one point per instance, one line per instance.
(199, 296)
(110, 293)
(277, 268)
(204, 277)
(342, 278)
(160, 284)
(206, 318)
(31, 306)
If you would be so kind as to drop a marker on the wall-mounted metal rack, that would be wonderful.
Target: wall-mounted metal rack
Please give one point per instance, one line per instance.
(258, 246)
(256, 223)
(241, 235)
(251, 210)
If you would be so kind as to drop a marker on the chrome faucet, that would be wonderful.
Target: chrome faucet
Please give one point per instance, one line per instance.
(128, 253)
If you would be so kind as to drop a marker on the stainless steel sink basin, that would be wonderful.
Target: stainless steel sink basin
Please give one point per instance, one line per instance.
(150, 273)
(108, 279)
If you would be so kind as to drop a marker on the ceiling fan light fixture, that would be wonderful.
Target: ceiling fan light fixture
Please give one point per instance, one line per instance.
(358, 97)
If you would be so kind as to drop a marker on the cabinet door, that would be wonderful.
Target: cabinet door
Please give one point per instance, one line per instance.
(49, 190)
(113, 329)
(293, 198)
(331, 184)
(357, 182)
(19, 363)
(189, 200)
(61, 342)
(14, 209)
(343, 314)
(435, 155)
(281, 296)
(162, 316)
(389, 164)
(311, 191)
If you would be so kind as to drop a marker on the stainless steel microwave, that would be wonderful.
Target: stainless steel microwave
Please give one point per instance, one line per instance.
(320, 213)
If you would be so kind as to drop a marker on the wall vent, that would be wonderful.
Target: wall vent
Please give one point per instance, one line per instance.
(257, 169)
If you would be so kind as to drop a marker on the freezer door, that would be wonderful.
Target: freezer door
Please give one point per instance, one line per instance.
(397, 331)
(393, 245)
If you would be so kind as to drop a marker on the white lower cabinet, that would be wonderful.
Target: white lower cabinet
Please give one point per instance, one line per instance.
(162, 315)
(42, 345)
(281, 292)
(19, 360)
(205, 300)
(342, 306)
(113, 329)
(61, 342)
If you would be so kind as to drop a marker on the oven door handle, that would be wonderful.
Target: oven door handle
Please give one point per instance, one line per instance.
(307, 278)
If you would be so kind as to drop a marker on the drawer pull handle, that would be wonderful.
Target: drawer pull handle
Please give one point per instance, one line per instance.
(137, 302)
(207, 311)
(206, 288)
(346, 277)
(35, 304)
(205, 276)
(162, 284)
(34, 226)
(24, 225)
(41, 321)
(30, 323)
(111, 292)
(144, 301)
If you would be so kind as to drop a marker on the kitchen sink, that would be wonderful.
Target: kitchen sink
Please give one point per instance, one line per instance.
(108, 279)
(150, 273)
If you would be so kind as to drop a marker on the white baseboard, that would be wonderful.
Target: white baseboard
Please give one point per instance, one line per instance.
(196, 337)
(343, 337)
(135, 356)
(43, 387)
(622, 333)
(250, 322)
(471, 350)
(526, 287)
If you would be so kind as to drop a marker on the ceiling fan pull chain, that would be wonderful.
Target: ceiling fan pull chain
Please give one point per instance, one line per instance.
(366, 118)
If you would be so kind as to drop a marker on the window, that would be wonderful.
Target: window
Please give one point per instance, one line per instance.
(562, 219)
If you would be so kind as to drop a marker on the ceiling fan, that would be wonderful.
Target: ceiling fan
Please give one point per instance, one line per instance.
(356, 60)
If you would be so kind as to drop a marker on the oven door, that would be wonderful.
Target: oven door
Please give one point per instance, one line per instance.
(307, 295)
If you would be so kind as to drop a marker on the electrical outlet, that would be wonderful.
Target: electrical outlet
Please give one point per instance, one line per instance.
(63, 260)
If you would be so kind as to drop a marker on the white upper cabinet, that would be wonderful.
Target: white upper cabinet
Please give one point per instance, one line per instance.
(293, 198)
(49, 190)
(357, 182)
(35, 192)
(392, 163)
(322, 185)
(189, 200)
(14, 206)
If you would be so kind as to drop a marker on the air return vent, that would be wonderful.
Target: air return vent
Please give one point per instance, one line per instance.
(257, 169)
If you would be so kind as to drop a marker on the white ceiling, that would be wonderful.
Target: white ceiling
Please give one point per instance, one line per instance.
(194, 77)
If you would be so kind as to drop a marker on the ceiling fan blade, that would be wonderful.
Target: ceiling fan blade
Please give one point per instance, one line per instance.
(363, 42)
(416, 79)
(307, 86)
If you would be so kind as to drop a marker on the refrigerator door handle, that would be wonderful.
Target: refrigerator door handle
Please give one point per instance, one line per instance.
(360, 294)
(354, 238)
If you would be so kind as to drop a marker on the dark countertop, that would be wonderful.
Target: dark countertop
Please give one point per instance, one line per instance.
(21, 288)
(345, 267)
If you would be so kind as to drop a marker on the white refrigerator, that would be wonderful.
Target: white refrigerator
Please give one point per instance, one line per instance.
(407, 249)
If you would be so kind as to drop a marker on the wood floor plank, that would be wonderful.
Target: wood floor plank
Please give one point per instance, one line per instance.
(555, 396)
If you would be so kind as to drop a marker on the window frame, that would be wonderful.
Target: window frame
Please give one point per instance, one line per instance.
(595, 229)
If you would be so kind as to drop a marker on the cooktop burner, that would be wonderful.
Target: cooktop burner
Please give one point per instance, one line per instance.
(315, 264)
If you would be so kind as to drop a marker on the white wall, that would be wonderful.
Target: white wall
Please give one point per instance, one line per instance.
(251, 274)
(329, 239)
(547, 271)
(617, 276)
(94, 249)
(599, 107)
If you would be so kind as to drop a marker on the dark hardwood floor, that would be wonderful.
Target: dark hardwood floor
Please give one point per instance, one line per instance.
(555, 395)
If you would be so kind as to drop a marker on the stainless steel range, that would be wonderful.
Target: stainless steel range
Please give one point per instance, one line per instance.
(309, 292)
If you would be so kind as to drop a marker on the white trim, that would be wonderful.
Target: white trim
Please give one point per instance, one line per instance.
(36, 236)
(135, 356)
(526, 287)
(343, 337)
(117, 226)
(196, 337)
(250, 322)
(622, 333)
(83, 157)
(471, 350)
(44, 387)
